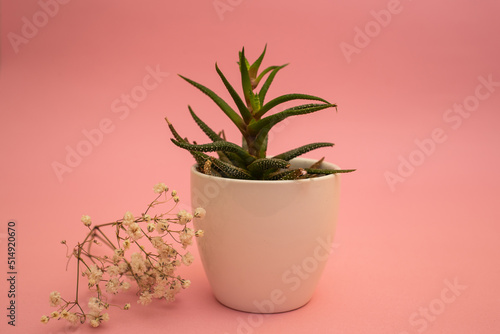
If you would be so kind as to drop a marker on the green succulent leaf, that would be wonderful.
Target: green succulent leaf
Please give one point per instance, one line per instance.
(317, 164)
(222, 146)
(285, 98)
(235, 118)
(263, 164)
(274, 119)
(269, 80)
(327, 171)
(230, 170)
(246, 84)
(200, 158)
(254, 68)
(255, 102)
(245, 62)
(291, 174)
(206, 129)
(224, 156)
(265, 125)
(289, 155)
(174, 132)
(245, 113)
(262, 75)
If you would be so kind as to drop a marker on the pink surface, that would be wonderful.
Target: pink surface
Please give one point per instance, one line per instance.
(417, 118)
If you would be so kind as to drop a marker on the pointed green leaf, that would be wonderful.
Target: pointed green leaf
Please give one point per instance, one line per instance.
(255, 102)
(200, 158)
(245, 113)
(278, 117)
(261, 165)
(245, 62)
(328, 171)
(230, 170)
(289, 155)
(174, 132)
(236, 160)
(317, 164)
(211, 147)
(252, 71)
(245, 78)
(262, 74)
(222, 146)
(292, 174)
(235, 118)
(224, 156)
(208, 131)
(285, 98)
(232, 158)
(269, 80)
(263, 126)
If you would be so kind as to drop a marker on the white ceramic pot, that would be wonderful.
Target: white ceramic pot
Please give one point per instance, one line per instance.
(266, 242)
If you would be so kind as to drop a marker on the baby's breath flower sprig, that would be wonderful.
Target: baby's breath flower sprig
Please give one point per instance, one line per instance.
(142, 251)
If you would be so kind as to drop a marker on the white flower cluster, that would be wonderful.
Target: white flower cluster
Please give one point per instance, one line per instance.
(151, 265)
(86, 220)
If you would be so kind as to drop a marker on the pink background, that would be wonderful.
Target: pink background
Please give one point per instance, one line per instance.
(396, 246)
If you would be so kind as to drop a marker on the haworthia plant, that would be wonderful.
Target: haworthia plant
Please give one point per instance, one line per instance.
(253, 119)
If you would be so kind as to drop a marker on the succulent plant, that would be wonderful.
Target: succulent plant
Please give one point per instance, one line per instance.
(250, 160)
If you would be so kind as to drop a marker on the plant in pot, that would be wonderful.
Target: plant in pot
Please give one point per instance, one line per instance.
(270, 220)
